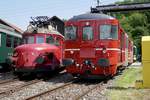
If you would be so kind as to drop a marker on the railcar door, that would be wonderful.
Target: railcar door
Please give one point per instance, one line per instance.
(87, 34)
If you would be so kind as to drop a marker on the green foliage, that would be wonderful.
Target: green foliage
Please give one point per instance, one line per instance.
(136, 24)
(137, 19)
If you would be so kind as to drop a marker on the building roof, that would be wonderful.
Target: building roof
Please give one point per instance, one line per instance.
(91, 16)
(11, 25)
(56, 18)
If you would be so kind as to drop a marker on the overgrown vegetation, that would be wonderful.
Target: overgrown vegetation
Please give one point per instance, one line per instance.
(136, 23)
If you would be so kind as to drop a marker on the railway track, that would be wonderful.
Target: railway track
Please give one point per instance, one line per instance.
(74, 89)
(88, 91)
(75, 97)
(51, 90)
(17, 88)
(62, 87)
(2, 82)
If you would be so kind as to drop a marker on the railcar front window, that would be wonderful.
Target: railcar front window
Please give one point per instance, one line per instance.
(53, 40)
(87, 33)
(50, 40)
(29, 40)
(70, 33)
(39, 39)
(108, 32)
(57, 42)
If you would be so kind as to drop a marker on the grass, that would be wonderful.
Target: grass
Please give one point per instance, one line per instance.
(123, 85)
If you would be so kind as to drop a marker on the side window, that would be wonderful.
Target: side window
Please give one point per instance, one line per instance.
(87, 33)
(30, 39)
(53, 40)
(108, 32)
(70, 33)
(8, 41)
(39, 39)
(122, 40)
(0, 40)
(15, 42)
(127, 42)
(49, 39)
(57, 41)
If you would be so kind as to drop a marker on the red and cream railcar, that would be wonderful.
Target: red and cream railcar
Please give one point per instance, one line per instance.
(40, 52)
(124, 41)
(42, 49)
(95, 46)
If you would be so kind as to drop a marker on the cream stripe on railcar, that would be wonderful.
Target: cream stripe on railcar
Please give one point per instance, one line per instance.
(77, 49)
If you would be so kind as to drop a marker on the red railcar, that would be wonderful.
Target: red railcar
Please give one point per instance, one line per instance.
(130, 52)
(42, 50)
(95, 46)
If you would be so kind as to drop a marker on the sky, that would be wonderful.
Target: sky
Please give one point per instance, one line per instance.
(18, 12)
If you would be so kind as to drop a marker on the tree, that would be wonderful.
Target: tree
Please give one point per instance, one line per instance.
(136, 24)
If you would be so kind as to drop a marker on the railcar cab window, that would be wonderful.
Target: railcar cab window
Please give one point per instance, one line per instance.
(70, 33)
(108, 32)
(52, 40)
(39, 39)
(28, 40)
(87, 33)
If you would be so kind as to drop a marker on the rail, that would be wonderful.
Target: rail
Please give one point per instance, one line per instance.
(51, 90)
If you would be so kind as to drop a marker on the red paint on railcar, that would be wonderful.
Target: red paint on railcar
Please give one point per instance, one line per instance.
(40, 52)
(95, 45)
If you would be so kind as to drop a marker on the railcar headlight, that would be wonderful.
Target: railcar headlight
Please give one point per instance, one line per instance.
(33, 53)
(77, 65)
(71, 52)
(93, 66)
(104, 50)
(87, 62)
(39, 60)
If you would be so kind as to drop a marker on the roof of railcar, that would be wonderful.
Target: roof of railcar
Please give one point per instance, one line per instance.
(91, 16)
(20, 31)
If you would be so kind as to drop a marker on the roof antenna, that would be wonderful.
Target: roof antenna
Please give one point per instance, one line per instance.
(98, 2)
